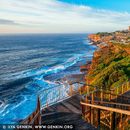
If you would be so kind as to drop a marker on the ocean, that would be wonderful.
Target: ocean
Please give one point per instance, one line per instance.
(33, 62)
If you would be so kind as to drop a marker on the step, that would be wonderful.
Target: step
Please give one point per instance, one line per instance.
(67, 118)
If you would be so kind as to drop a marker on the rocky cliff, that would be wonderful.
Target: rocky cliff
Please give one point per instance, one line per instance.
(110, 65)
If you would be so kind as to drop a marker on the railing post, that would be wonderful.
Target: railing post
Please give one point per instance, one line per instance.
(101, 95)
(93, 98)
(87, 89)
(98, 117)
(112, 121)
(83, 109)
(39, 109)
(92, 109)
(90, 112)
(71, 90)
(120, 123)
(86, 100)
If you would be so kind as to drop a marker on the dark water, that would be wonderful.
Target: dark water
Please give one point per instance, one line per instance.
(30, 63)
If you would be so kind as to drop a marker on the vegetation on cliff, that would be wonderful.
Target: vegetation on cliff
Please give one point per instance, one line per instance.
(110, 67)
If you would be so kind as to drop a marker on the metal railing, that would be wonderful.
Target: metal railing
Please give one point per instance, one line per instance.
(50, 96)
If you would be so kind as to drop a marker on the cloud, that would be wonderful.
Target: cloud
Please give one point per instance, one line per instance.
(54, 16)
(7, 22)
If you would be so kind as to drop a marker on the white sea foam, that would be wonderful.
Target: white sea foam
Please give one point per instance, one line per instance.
(2, 110)
(46, 70)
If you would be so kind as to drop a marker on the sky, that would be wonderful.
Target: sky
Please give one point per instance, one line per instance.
(63, 16)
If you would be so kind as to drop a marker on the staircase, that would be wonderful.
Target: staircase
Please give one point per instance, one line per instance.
(66, 112)
(97, 109)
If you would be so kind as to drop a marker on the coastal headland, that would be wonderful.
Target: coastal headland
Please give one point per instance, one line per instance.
(110, 65)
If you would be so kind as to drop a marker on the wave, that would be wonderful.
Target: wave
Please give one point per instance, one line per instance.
(38, 75)
(3, 108)
(45, 70)
(37, 84)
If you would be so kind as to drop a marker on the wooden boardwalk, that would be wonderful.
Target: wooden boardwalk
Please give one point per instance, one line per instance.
(66, 112)
(92, 109)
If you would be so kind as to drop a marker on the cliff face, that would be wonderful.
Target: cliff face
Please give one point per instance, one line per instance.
(110, 66)
(94, 37)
